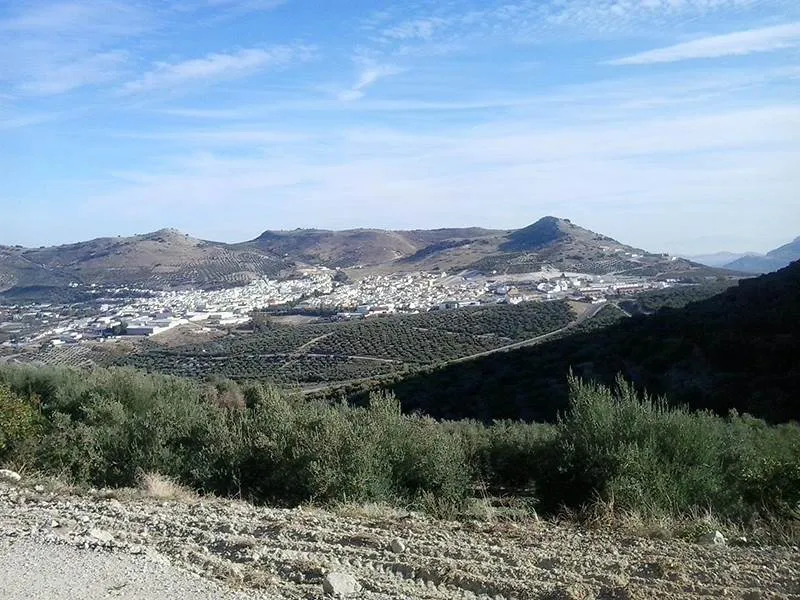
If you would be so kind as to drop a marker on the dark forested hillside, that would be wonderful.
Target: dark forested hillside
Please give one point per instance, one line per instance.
(737, 350)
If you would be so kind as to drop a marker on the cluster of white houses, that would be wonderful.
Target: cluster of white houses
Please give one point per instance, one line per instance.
(317, 290)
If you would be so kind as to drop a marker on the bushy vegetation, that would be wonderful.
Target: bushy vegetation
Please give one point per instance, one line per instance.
(279, 369)
(673, 297)
(253, 441)
(19, 421)
(642, 454)
(108, 427)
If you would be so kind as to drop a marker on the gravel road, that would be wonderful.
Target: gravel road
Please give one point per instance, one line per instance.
(32, 570)
(59, 545)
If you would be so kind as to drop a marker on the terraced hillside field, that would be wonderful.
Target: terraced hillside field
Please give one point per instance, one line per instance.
(336, 352)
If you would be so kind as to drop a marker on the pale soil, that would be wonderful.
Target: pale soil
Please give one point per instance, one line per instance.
(274, 553)
(578, 307)
(294, 319)
(33, 570)
(190, 333)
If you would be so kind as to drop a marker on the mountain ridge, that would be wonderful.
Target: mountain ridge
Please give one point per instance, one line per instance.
(717, 259)
(169, 258)
(773, 260)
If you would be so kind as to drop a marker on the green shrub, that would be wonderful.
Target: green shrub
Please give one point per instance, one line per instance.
(300, 450)
(19, 422)
(633, 452)
(506, 456)
(107, 427)
(642, 454)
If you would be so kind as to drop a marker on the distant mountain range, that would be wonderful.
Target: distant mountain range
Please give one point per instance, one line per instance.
(752, 262)
(719, 259)
(168, 258)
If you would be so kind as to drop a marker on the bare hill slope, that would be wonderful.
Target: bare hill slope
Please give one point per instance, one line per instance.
(549, 242)
(164, 258)
(168, 258)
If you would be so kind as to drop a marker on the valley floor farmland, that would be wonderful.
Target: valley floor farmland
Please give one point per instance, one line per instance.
(310, 354)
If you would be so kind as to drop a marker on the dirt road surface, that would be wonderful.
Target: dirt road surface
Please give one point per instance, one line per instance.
(32, 570)
(253, 552)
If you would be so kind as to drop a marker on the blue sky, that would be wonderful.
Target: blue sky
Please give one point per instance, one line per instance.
(672, 125)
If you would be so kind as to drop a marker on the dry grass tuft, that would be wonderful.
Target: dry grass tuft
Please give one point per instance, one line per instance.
(605, 514)
(480, 509)
(160, 487)
(369, 510)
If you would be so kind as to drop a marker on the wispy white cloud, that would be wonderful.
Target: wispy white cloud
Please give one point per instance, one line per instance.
(422, 29)
(369, 75)
(650, 179)
(225, 9)
(765, 39)
(99, 18)
(458, 25)
(64, 77)
(216, 67)
(53, 48)
(247, 5)
(241, 136)
(600, 18)
(634, 92)
(345, 104)
(210, 113)
(19, 121)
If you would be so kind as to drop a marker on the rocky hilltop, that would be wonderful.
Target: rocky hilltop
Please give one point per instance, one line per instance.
(549, 242)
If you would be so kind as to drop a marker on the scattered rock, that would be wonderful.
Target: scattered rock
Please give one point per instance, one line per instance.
(549, 563)
(101, 536)
(713, 538)
(9, 476)
(615, 593)
(568, 592)
(277, 551)
(340, 585)
(38, 488)
(740, 541)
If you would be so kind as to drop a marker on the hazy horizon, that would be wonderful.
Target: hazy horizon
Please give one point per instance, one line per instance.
(670, 125)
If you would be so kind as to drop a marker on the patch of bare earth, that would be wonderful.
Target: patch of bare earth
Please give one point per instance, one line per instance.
(190, 333)
(286, 553)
